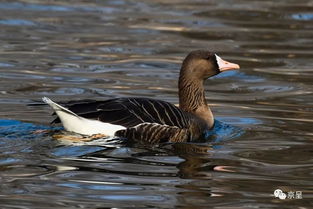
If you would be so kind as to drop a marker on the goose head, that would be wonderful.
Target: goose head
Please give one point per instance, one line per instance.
(202, 64)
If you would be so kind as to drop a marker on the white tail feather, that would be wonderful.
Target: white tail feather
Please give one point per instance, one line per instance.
(74, 123)
(56, 106)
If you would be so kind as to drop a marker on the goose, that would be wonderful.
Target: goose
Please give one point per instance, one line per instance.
(150, 120)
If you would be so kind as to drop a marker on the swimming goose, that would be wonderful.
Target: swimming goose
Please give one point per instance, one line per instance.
(150, 120)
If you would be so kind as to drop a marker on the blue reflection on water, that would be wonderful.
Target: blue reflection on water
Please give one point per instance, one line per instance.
(9, 122)
(55, 8)
(102, 186)
(6, 65)
(18, 138)
(17, 22)
(223, 132)
(302, 16)
(36, 7)
(71, 151)
(18, 129)
(239, 76)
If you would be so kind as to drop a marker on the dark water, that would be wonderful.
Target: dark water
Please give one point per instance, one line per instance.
(102, 49)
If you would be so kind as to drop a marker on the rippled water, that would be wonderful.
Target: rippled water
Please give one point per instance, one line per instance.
(103, 49)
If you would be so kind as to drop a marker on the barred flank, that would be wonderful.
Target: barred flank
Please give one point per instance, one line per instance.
(154, 133)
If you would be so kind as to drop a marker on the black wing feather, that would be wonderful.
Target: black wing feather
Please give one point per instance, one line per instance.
(130, 112)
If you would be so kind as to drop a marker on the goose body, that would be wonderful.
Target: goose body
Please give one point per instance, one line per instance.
(149, 120)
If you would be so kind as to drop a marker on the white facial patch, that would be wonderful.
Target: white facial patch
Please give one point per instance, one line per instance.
(219, 61)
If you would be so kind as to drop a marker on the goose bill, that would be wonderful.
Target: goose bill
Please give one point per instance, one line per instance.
(224, 65)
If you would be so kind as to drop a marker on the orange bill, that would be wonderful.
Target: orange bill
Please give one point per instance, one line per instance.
(224, 65)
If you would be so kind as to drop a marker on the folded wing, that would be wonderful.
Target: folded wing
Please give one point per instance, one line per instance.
(130, 112)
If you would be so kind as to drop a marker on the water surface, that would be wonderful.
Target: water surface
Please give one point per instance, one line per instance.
(105, 49)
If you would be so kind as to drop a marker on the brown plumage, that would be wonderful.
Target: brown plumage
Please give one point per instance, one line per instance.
(155, 121)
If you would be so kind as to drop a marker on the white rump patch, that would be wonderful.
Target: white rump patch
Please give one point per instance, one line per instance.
(74, 123)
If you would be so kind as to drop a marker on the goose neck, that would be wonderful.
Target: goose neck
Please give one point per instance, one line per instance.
(192, 99)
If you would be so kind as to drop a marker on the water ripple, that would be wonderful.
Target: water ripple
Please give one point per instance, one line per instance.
(17, 22)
